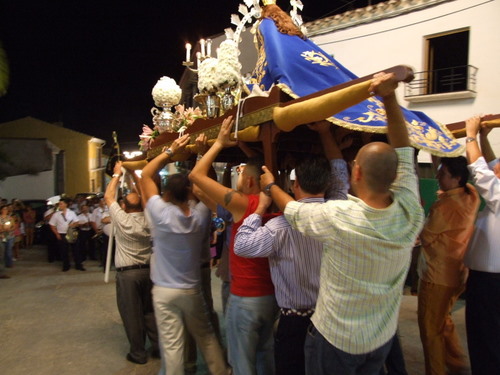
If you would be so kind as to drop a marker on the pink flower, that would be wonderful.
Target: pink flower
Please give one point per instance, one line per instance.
(146, 130)
(145, 144)
(146, 138)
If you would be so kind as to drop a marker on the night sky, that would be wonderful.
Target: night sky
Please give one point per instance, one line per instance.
(92, 64)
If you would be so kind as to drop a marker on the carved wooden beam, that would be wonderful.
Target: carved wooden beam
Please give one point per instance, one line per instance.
(458, 128)
(257, 111)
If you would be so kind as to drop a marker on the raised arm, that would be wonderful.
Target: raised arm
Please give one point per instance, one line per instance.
(201, 149)
(472, 128)
(254, 240)
(339, 180)
(232, 200)
(384, 85)
(147, 184)
(488, 153)
(110, 194)
(330, 146)
(268, 186)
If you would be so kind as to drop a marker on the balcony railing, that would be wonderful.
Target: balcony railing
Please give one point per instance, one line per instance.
(441, 81)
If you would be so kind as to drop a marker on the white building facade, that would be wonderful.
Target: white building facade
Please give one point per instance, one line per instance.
(456, 43)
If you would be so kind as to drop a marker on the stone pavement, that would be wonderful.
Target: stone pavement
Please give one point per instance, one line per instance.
(55, 323)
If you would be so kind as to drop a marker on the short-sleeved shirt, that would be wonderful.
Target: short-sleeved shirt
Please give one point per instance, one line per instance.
(62, 221)
(178, 242)
(133, 238)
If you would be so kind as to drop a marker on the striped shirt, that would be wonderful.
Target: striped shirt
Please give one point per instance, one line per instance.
(133, 238)
(366, 256)
(294, 259)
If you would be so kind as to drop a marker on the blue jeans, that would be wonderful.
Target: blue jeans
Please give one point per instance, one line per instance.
(322, 358)
(249, 330)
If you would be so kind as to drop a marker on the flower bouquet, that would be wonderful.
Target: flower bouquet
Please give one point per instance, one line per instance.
(166, 92)
(182, 119)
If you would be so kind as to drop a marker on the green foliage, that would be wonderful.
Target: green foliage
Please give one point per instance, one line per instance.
(4, 71)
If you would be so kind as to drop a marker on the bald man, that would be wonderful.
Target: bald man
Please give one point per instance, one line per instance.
(367, 244)
(133, 284)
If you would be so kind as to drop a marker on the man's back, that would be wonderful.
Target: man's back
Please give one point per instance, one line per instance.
(133, 237)
(178, 242)
(366, 258)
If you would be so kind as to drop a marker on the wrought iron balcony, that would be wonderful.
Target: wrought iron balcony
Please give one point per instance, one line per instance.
(442, 81)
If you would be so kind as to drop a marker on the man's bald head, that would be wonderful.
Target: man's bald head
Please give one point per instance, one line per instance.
(132, 202)
(378, 162)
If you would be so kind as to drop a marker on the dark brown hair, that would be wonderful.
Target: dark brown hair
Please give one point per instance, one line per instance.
(283, 21)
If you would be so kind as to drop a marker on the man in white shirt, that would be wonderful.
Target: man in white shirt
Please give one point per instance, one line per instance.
(482, 313)
(59, 223)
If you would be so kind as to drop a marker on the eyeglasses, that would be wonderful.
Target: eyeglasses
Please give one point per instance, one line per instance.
(240, 168)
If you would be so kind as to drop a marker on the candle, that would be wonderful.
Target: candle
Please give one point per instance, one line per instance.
(209, 47)
(198, 57)
(188, 52)
(202, 44)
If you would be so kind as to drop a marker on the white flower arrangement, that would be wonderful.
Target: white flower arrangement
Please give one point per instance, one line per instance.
(166, 91)
(207, 75)
(227, 76)
(217, 74)
(228, 53)
(229, 67)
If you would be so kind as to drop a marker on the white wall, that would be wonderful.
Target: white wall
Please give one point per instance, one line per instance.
(368, 48)
(40, 186)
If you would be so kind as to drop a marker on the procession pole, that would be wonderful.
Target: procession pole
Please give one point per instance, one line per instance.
(111, 233)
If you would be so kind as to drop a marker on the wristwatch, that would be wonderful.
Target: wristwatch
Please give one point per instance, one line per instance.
(469, 139)
(267, 189)
(115, 175)
(169, 152)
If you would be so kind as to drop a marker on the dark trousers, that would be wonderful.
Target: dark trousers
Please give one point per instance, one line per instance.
(86, 245)
(289, 344)
(102, 244)
(395, 361)
(135, 304)
(482, 320)
(64, 249)
(322, 358)
(51, 242)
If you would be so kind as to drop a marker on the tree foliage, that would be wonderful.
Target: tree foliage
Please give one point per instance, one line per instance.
(4, 71)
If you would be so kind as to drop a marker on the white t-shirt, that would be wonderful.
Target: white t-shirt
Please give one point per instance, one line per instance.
(62, 221)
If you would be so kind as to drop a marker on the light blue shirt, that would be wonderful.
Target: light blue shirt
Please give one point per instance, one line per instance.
(178, 242)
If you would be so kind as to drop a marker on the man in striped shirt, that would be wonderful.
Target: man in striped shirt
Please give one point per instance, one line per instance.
(368, 240)
(132, 257)
(294, 258)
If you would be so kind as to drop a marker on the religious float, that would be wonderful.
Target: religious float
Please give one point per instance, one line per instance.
(294, 83)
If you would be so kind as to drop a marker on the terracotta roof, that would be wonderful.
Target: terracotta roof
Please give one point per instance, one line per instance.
(371, 13)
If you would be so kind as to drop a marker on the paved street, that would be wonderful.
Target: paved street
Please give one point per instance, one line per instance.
(55, 323)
